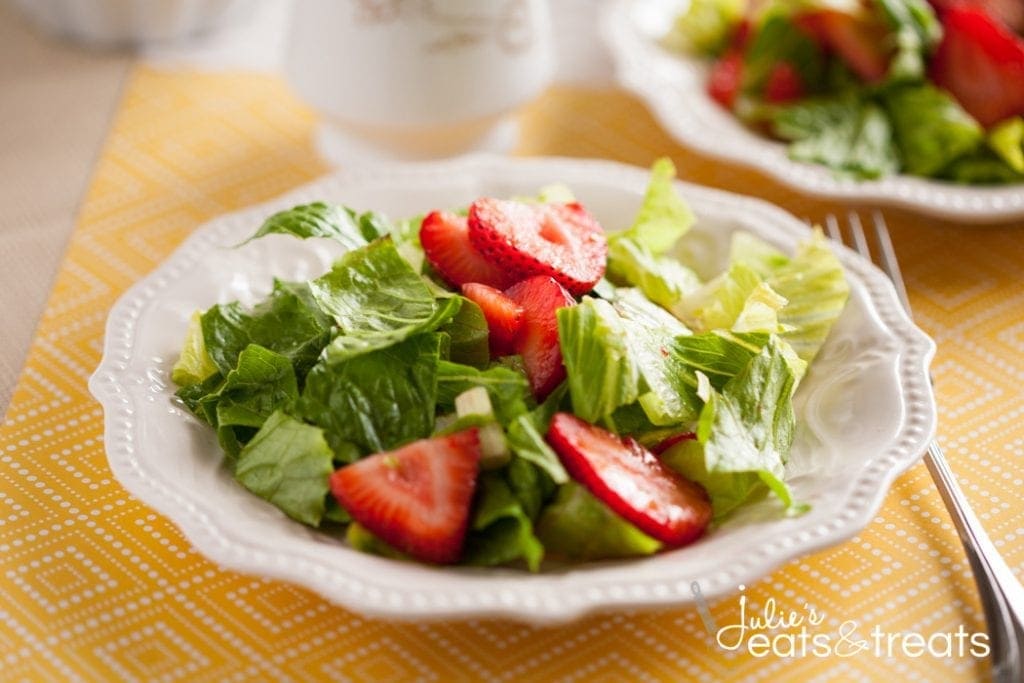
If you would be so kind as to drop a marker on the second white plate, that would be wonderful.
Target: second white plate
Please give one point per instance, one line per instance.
(673, 85)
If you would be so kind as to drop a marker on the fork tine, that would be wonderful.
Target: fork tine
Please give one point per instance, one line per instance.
(889, 262)
(832, 225)
(860, 241)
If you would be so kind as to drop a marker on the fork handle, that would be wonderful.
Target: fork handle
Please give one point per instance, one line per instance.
(1000, 592)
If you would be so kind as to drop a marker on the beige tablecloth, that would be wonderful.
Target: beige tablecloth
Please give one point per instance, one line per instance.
(55, 107)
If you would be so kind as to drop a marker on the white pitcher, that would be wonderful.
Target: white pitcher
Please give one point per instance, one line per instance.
(419, 78)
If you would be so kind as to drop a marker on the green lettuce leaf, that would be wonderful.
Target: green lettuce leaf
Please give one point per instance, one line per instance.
(377, 300)
(666, 393)
(738, 299)
(468, 334)
(262, 383)
(600, 369)
(706, 26)
(981, 167)
(850, 135)
(319, 219)
(1007, 140)
(578, 526)
(287, 322)
(931, 128)
(747, 427)
(916, 31)
(362, 539)
(531, 486)
(500, 531)
(663, 279)
(727, 490)
(194, 365)
(508, 389)
(755, 253)
(196, 397)
(525, 436)
(663, 216)
(816, 290)
(377, 401)
(720, 355)
(288, 463)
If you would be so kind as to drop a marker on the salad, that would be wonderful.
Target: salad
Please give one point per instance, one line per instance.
(869, 88)
(508, 382)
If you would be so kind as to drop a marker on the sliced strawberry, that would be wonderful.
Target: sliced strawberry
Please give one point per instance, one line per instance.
(725, 78)
(862, 45)
(416, 498)
(631, 481)
(1009, 12)
(537, 342)
(783, 85)
(981, 63)
(445, 241)
(562, 241)
(671, 441)
(504, 316)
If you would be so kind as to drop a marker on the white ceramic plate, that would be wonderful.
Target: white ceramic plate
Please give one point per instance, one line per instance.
(865, 410)
(673, 85)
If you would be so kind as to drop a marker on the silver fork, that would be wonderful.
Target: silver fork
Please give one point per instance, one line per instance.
(1002, 596)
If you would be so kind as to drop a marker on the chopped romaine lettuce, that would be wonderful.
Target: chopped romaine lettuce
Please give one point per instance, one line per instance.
(848, 134)
(738, 299)
(931, 128)
(468, 335)
(288, 463)
(525, 435)
(748, 425)
(377, 300)
(194, 365)
(508, 389)
(262, 383)
(816, 291)
(706, 26)
(602, 374)
(755, 253)
(1007, 140)
(377, 401)
(663, 216)
(319, 219)
(663, 279)
(916, 32)
(501, 531)
(288, 322)
(578, 526)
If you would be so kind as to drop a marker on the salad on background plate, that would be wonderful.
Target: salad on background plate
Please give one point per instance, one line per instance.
(507, 381)
(870, 88)
(865, 101)
(862, 411)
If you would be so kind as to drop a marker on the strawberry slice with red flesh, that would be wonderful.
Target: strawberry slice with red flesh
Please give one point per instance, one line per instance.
(981, 62)
(562, 241)
(631, 481)
(445, 239)
(504, 316)
(861, 45)
(537, 341)
(783, 85)
(725, 78)
(416, 498)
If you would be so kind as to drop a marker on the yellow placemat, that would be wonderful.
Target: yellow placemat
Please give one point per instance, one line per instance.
(95, 586)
